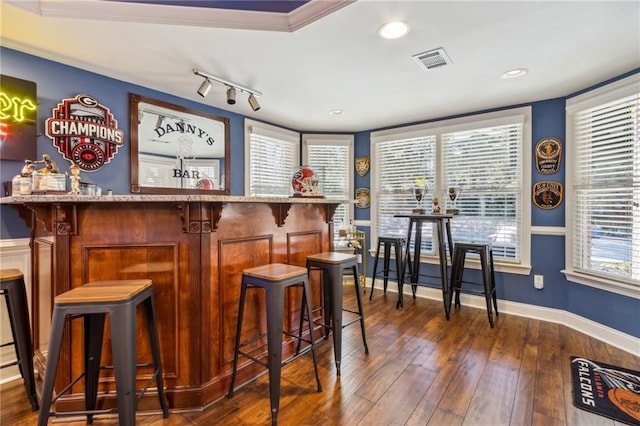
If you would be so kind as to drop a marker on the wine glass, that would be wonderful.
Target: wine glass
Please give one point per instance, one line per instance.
(418, 193)
(454, 192)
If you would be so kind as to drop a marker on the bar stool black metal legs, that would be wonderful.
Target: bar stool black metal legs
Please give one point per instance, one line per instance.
(488, 275)
(333, 265)
(387, 243)
(92, 302)
(274, 279)
(15, 295)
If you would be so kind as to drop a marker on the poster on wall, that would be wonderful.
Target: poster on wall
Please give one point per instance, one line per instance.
(18, 114)
(85, 132)
(547, 195)
(548, 155)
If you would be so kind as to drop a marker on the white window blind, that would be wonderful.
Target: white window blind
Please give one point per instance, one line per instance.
(486, 164)
(486, 155)
(605, 186)
(200, 170)
(331, 157)
(157, 171)
(273, 155)
(399, 163)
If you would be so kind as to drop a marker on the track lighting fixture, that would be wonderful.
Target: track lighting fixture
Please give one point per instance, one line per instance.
(160, 120)
(231, 95)
(204, 88)
(233, 88)
(253, 102)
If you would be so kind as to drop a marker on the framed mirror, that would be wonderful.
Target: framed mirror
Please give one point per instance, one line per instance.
(177, 150)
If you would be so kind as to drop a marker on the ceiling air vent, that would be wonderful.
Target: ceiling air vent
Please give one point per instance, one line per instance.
(432, 59)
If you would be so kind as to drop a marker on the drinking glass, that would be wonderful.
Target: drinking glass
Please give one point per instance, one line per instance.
(454, 193)
(418, 193)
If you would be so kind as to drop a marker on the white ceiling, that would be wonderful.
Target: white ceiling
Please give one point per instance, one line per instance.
(327, 55)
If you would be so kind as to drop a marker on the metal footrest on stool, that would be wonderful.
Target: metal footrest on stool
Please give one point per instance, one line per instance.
(274, 278)
(488, 275)
(92, 302)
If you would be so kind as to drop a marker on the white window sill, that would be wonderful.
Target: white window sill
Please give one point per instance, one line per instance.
(618, 287)
(508, 268)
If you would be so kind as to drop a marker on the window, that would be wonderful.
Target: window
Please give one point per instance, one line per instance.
(271, 156)
(486, 164)
(331, 156)
(487, 156)
(603, 180)
(399, 164)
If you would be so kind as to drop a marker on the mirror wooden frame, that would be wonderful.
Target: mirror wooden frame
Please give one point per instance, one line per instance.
(203, 132)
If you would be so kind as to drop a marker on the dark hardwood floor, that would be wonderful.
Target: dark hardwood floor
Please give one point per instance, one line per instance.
(421, 370)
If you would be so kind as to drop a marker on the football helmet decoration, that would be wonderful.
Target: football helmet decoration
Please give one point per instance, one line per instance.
(207, 184)
(305, 182)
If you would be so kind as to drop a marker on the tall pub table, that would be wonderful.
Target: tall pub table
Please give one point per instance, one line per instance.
(443, 229)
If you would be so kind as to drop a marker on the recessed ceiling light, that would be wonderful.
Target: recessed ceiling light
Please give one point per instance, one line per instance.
(337, 112)
(393, 29)
(518, 72)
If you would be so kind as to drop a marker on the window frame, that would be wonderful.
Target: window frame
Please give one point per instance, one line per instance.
(523, 267)
(347, 140)
(285, 136)
(598, 96)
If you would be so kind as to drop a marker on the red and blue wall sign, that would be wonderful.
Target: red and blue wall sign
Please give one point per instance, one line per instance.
(85, 132)
(18, 114)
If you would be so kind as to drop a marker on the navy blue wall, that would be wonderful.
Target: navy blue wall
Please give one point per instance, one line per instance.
(56, 81)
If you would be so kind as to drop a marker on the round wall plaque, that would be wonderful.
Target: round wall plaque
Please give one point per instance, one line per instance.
(363, 198)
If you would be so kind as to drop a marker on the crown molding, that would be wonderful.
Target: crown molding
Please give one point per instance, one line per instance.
(183, 15)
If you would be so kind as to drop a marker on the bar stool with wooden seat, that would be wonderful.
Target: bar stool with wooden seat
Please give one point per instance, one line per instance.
(274, 278)
(488, 275)
(15, 295)
(92, 302)
(387, 243)
(333, 265)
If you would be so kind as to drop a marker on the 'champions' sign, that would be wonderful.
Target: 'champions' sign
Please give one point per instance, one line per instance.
(85, 132)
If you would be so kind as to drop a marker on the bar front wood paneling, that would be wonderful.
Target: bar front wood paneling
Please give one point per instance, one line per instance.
(194, 249)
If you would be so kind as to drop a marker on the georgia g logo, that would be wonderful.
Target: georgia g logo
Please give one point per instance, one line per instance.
(85, 132)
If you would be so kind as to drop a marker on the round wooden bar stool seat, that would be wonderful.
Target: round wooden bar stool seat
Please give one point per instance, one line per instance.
(332, 264)
(274, 278)
(15, 295)
(92, 302)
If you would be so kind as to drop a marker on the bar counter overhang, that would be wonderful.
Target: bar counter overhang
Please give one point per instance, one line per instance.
(193, 248)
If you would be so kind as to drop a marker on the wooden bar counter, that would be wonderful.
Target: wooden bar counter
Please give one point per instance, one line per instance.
(193, 248)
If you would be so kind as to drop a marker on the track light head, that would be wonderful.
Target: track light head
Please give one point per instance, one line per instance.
(253, 102)
(232, 89)
(231, 95)
(204, 88)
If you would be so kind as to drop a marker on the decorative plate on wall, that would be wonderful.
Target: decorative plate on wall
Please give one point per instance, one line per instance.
(363, 198)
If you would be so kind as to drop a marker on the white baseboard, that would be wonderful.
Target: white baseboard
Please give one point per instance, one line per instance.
(596, 330)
